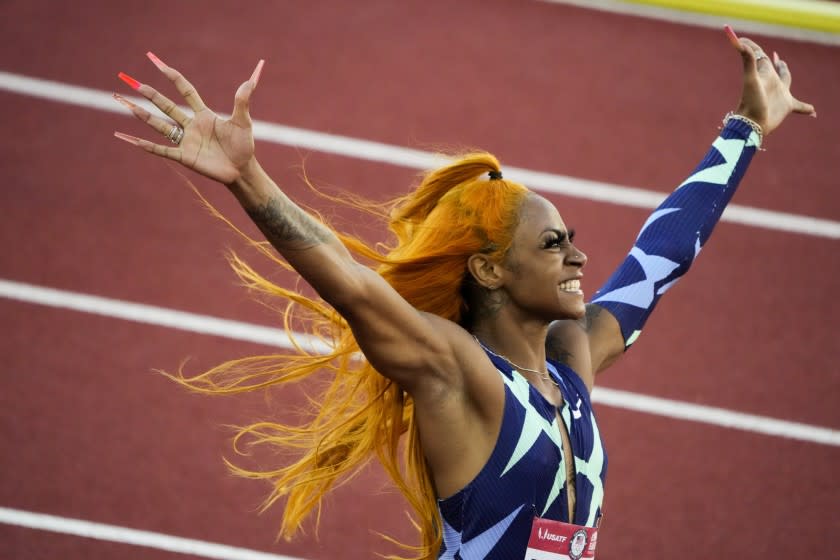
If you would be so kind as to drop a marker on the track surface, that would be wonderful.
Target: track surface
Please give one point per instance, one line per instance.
(86, 431)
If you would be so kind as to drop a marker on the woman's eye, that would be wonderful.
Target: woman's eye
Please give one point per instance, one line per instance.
(560, 240)
(555, 242)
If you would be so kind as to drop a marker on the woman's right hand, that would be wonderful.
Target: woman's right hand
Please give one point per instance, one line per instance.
(210, 145)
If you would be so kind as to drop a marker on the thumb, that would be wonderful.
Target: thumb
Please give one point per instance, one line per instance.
(804, 108)
(242, 99)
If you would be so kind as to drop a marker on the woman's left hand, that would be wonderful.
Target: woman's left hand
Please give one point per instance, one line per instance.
(766, 97)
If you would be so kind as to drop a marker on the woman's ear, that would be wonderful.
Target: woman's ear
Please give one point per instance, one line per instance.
(485, 271)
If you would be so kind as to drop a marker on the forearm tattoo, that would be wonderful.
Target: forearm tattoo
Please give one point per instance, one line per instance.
(286, 226)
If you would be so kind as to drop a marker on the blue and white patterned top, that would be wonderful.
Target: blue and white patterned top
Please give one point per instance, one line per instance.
(525, 476)
(672, 237)
(491, 517)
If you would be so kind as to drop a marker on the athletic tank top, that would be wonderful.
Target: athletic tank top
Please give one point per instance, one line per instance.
(525, 476)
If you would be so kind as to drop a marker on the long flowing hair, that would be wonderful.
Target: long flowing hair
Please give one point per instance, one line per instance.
(454, 212)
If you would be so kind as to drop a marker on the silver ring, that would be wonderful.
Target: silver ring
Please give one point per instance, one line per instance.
(176, 135)
(759, 56)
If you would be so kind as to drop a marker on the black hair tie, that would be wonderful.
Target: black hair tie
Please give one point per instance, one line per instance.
(495, 175)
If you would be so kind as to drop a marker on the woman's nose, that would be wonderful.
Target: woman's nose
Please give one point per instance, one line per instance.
(577, 257)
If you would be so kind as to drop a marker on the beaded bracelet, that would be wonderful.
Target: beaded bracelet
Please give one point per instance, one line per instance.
(751, 123)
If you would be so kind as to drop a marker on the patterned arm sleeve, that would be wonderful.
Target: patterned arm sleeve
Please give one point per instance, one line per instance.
(673, 235)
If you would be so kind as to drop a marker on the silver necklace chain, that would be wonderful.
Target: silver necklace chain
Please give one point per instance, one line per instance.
(544, 375)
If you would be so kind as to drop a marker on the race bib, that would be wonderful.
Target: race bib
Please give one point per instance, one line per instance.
(555, 540)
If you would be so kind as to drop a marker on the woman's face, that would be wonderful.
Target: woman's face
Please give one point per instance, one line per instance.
(542, 270)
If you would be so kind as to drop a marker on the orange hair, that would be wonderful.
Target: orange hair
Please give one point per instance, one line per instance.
(454, 213)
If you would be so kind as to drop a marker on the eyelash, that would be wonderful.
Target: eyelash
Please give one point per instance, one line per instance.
(561, 240)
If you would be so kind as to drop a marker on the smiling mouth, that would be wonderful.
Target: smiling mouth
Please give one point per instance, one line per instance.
(571, 286)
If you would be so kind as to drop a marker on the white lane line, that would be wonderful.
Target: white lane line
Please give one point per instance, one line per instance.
(675, 15)
(275, 337)
(153, 315)
(717, 416)
(136, 537)
(418, 159)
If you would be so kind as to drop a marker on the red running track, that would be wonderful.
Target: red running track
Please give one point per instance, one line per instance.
(86, 431)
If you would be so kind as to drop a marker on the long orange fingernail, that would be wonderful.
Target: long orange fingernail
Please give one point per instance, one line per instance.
(729, 31)
(123, 100)
(129, 80)
(127, 138)
(733, 38)
(155, 60)
(255, 77)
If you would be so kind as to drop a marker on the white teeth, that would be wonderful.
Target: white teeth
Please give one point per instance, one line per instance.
(570, 286)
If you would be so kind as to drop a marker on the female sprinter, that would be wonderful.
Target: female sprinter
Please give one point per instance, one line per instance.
(474, 336)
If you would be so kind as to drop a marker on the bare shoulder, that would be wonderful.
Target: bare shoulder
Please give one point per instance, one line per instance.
(567, 342)
(468, 360)
(588, 345)
(459, 418)
(469, 380)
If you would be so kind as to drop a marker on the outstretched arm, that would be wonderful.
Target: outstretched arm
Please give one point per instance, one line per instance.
(676, 231)
(399, 341)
